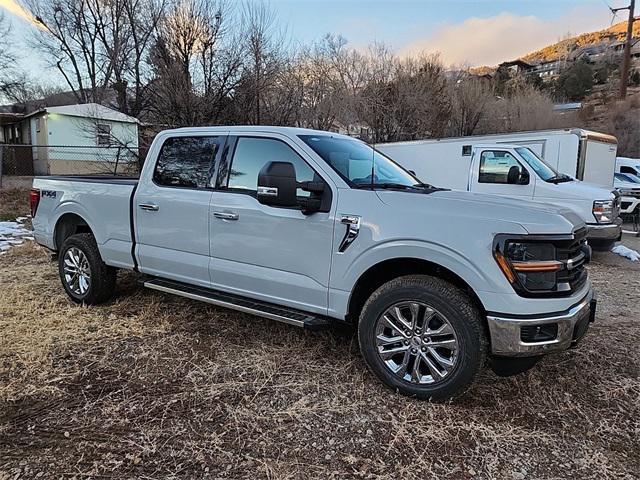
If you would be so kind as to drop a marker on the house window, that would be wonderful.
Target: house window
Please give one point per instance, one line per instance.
(103, 134)
(37, 124)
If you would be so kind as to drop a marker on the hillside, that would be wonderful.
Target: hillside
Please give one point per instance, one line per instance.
(614, 33)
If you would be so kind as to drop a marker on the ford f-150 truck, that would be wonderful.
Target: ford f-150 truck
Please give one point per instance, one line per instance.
(309, 228)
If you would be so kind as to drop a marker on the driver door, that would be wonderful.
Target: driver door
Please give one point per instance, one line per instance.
(274, 254)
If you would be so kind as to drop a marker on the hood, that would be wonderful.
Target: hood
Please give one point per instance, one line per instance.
(626, 185)
(534, 217)
(575, 190)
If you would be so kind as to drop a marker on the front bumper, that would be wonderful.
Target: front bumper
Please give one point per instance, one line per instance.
(610, 231)
(572, 324)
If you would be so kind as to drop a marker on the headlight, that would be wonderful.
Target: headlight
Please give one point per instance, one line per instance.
(603, 211)
(543, 265)
(532, 265)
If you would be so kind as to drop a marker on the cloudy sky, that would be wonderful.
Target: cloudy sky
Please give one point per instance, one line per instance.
(479, 32)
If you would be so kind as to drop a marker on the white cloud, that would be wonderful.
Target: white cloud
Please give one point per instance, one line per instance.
(491, 40)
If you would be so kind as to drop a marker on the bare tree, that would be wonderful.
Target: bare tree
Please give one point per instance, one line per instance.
(525, 109)
(469, 96)
(322, 94)
(98, 46)
(265, 45)
(197, 61)
(73, 41)
(8, 80)
(133, 73)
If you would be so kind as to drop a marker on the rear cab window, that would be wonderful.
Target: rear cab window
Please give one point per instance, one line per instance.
(186, 162)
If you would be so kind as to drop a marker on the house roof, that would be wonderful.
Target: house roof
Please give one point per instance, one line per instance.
(518, 62)
(88, 110)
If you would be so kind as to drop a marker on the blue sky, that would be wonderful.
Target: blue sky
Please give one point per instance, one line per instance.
(479, 32)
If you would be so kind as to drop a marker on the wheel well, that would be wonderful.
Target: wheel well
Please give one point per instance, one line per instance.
(383, 272)
(67, 225)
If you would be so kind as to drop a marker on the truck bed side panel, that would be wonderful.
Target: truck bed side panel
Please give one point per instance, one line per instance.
(103, 203)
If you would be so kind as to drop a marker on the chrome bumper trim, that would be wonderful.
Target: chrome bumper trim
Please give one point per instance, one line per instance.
(611, 231)
(505, 331)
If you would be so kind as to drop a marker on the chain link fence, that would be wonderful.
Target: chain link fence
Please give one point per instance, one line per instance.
(25, 161)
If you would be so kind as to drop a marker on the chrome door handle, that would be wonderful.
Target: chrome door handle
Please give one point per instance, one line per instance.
(226, 215)
(149, 207)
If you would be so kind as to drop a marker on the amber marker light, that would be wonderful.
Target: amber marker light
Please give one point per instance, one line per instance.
(504, 266)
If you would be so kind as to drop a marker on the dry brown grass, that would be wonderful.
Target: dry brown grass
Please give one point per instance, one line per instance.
(14, 202)
(154, 386)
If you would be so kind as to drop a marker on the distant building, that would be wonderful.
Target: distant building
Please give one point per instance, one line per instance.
(516, 66)
(83, 138)
(548, 70)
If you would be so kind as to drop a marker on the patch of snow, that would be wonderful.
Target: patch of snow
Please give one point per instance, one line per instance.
(626, 252)
(13, 233)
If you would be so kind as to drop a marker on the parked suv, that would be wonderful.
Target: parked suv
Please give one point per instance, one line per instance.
(309, 228)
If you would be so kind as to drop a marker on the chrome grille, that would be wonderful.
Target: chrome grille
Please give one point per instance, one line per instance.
(574, 254)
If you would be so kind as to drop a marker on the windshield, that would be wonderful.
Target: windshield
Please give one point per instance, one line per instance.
(627, 177)
(544, 171)
(353, 160)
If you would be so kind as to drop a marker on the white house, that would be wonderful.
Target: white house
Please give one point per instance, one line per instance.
(84, 138)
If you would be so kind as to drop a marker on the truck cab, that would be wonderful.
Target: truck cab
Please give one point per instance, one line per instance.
(516, 171)
(312, 228)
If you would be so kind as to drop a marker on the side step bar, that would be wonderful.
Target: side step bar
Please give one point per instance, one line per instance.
(297, 318)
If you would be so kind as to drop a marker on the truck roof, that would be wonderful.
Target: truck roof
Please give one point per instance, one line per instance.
(290, 131)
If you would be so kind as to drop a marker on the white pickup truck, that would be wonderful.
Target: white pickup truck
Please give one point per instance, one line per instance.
(309, 228)
(517, 171)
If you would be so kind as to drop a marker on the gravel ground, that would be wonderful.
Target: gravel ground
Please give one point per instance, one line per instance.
(155, 386)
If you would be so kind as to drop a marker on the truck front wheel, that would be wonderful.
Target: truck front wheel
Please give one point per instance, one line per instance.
(85, 277)
(422, 336)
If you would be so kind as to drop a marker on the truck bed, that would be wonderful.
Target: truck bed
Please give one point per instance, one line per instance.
(104, 202)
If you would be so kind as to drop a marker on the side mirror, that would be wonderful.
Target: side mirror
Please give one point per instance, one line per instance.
(524, 177)
(513, 175)
(277, 184)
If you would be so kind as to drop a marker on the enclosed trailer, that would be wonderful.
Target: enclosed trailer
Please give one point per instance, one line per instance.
(583, 154)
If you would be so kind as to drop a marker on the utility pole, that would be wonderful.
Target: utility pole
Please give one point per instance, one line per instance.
(624, 75)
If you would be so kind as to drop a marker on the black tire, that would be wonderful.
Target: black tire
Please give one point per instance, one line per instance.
(461, 313)
(509, 366)
(102, 283)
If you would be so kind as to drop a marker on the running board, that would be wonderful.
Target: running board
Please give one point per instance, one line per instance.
(297, 318)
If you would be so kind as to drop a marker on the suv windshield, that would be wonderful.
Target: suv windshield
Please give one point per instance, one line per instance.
(354, 161)
(544, 171)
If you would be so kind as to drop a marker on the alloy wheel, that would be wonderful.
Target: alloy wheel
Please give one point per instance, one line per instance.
(77, 273)
(416, 342)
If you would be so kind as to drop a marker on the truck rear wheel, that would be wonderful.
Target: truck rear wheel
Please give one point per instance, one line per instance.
(423, 337)
(85, 277)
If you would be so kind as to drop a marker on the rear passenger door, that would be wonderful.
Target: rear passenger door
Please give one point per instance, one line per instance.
(172, 210)
(275, 254)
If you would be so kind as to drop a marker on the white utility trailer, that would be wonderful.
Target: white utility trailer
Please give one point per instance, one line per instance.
(583, 154)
